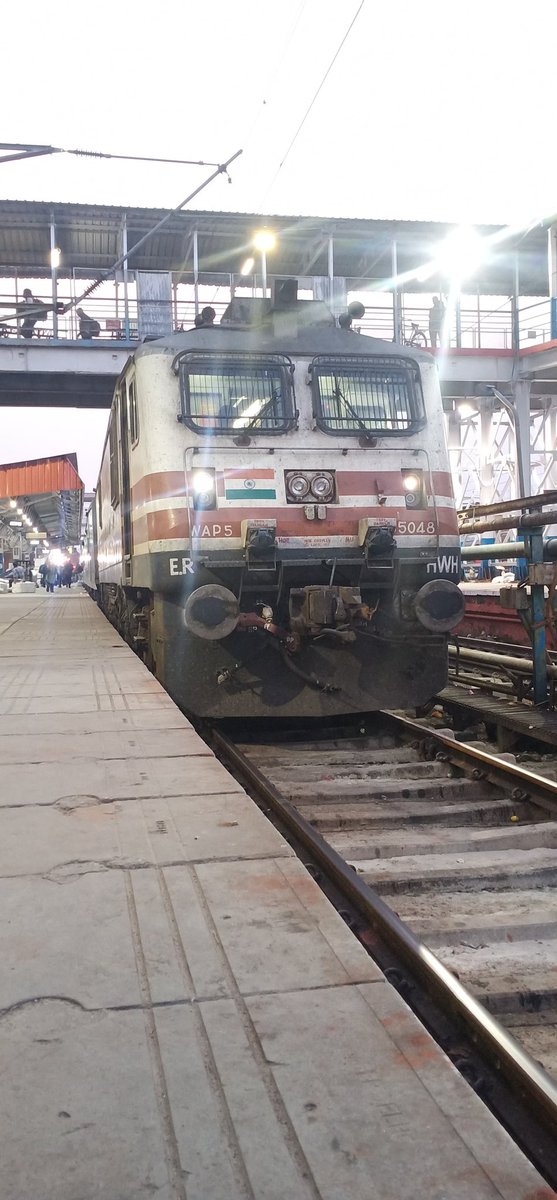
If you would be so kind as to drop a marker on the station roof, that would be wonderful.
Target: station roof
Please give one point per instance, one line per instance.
(90, 238)
(50, 491)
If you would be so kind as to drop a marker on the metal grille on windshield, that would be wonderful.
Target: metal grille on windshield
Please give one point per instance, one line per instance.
(378, 395)
(237, 396)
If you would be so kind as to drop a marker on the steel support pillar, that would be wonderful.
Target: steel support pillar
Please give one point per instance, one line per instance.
(125, 278)
(552, 272)
(54, 277)
(515, 314)
(455, 453)
(397, 315)
(521, 390)
(331, 272)
(551, 441)
(486, 455)
(534, 539)
(196, 271)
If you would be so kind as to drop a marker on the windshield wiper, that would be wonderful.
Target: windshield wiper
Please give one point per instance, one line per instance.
(258, 416)
(338, 395)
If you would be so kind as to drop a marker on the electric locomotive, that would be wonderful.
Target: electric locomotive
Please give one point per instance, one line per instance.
(274, 527)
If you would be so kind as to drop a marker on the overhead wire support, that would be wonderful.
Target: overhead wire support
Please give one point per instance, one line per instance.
(221, 169)
(23, 150)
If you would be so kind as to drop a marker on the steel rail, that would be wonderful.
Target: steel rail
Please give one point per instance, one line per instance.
(540, 790)
(526, 1077)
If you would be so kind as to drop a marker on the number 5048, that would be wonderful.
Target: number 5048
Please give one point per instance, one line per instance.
(416, 527)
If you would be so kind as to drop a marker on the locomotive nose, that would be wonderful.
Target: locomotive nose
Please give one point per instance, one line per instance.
(439, 605)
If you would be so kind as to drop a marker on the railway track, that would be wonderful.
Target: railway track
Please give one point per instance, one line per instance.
(449, 853)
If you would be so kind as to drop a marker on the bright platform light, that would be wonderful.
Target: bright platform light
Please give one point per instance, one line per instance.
(466, 409)
(461, 253)
(264, 240)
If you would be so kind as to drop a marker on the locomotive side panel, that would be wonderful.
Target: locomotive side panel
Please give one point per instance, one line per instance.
(108, 505)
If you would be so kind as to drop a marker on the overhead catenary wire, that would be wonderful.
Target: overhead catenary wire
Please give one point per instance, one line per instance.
(314, 98)
(263, 105)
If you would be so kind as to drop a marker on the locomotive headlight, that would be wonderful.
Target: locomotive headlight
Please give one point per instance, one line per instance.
(323, 487)
(203, 489)
(297, 485)
(412, 482)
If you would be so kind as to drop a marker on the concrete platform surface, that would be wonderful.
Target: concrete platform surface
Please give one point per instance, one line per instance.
(182, 1013)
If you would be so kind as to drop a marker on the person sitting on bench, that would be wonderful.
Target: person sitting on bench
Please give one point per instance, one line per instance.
(88, 327)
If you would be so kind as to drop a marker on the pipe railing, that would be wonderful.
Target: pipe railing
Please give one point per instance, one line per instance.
(472, 327)
(530, 526)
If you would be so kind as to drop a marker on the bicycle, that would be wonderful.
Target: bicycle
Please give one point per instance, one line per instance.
(416, 338)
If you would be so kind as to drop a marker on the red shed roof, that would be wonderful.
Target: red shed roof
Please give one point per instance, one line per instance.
(37, 476)
(50, 493)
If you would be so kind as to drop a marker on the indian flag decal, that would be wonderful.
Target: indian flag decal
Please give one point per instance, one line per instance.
(257, 484)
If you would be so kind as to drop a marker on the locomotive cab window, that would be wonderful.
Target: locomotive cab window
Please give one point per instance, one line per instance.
(377, 395)
(133, 415)
(234, 395)
(114, 464)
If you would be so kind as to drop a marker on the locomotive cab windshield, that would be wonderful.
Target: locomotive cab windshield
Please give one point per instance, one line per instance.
(381, 396)
(237, 392)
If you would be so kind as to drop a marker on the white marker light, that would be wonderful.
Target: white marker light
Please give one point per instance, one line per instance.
(202, 483)
(411, 483)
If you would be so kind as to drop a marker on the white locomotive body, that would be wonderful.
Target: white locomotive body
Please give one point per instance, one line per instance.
(274, 525)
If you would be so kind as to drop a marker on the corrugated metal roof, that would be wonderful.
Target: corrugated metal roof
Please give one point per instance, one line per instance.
(50, 490)
(90, 238)
(38, 476)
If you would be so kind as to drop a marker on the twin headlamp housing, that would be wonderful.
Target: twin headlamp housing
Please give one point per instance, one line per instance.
(302, 487)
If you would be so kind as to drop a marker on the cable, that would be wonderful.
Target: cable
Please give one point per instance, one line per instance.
(274, 77)
(315, 96)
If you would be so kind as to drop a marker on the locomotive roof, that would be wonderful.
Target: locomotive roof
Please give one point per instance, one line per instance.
(282, 338)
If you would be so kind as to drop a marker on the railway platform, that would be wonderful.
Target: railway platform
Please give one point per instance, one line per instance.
(183, 1013)
(509, 717)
